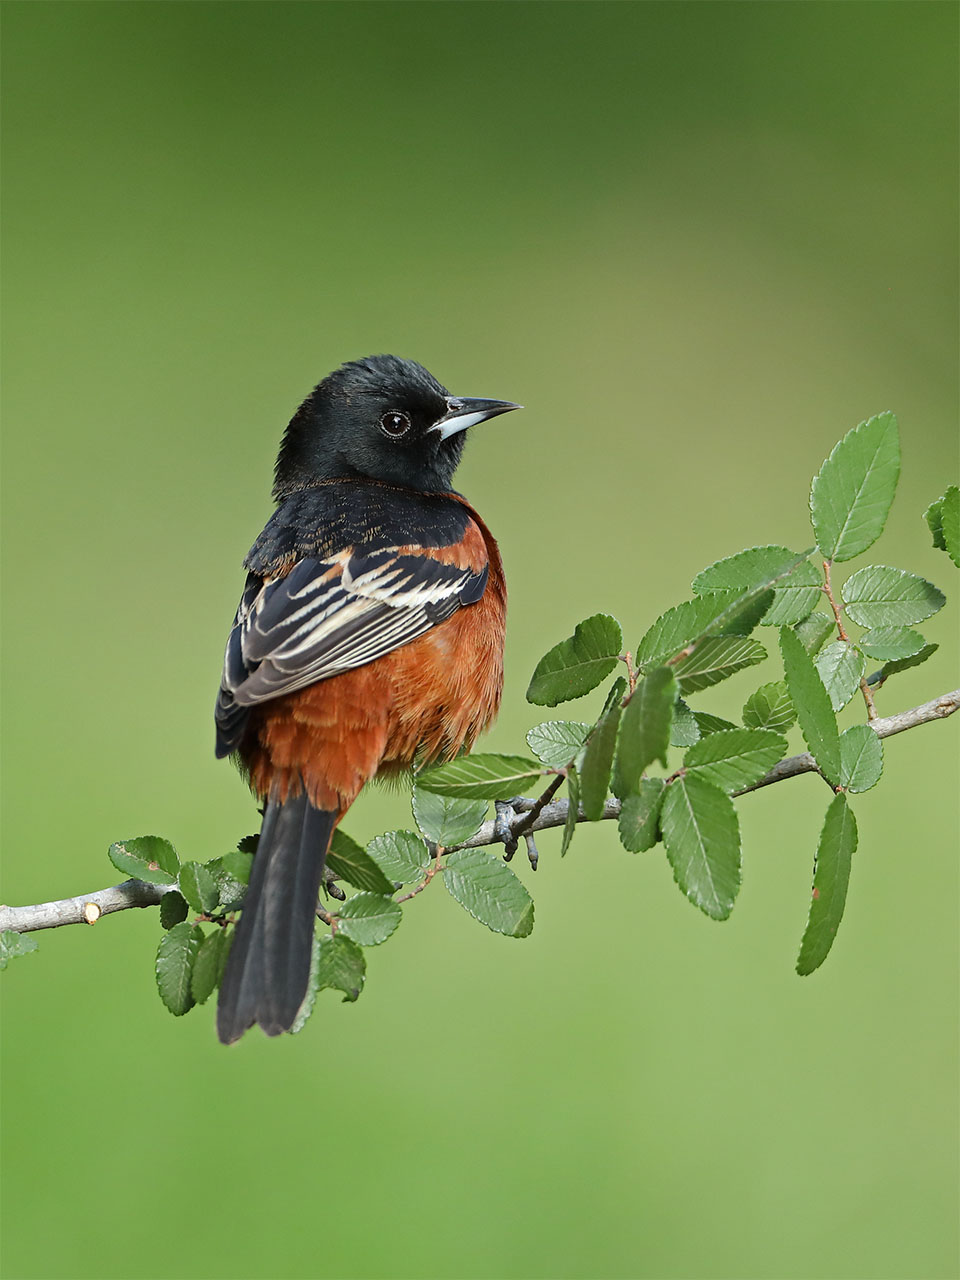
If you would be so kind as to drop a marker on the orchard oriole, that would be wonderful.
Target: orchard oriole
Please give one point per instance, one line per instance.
(369, 637)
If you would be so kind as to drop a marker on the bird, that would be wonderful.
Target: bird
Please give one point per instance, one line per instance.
(368, 640)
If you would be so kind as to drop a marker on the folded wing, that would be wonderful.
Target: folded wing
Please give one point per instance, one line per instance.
(329, 616)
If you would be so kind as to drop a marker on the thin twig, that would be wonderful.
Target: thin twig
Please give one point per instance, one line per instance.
(872, 712)
(631, 674)
(864, 683)
(431, 872)
(526, 823)
(136, 893)
(833, 604)
(555, 815)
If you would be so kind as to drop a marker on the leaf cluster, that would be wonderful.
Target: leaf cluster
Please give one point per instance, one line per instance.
(200, 905)
(668, 770)
(691, 806)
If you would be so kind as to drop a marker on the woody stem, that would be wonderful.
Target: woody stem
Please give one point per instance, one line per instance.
(864, 686)
(549, 813)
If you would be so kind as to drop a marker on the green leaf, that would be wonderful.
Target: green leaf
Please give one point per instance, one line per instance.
(556, 742)
(702, 838)
(879, 596)
(235, 865)
(573, 808)
(674, 630)
(841, 667)
(890, 643)
(486, 777)
(342, 965)
(745, 570)
(735, 758)
(943, 517)
(149, 858)
(400, 855)
(741, 612)
(714, 659)
(368, 918)
(813, 630)
(14, 944)
(904, 664)
(831, 875)
(176, 956)
(207, 967)
(950, 523)
(446, 820)
(795, 599)
(173, 909)
(310, 999)
(578, 664)
(226, 871)
(486, 887)
(861, 758)
(770, 708)
(680, 626)
(818, 724)
(708, 724)
(350, 861)
(639, 816)
(614, 696)
(690, 726)
(685, 730)
(198, 887)
(645, 730)
(794, 596)
(851, 495)
(597, 763)
(934, 518)
(249, 844)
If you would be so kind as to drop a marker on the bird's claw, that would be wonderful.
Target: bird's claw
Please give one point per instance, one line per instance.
(503, 827)
(533, 857)
(506, 821)
(333, 889)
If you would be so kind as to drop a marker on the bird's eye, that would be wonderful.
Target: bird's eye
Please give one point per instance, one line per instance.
(394, 424)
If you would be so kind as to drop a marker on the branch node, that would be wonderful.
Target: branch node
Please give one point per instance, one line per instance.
(509, 825)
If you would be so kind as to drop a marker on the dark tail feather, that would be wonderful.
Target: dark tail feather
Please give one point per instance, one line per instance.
(269, 964)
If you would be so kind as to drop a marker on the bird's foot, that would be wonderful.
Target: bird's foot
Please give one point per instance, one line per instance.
(533, 857)
(509, 817)
(332, 888)
(503, 825)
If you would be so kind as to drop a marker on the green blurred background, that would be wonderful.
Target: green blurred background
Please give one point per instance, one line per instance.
(698, 242)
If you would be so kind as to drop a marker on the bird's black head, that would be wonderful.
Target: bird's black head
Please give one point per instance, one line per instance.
(382, 418)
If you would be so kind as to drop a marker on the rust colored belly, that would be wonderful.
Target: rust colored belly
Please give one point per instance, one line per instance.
(422, 702)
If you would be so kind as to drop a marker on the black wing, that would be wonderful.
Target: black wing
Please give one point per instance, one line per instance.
(330, 616)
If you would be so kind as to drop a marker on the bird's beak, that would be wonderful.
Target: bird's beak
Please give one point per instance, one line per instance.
(462, 413)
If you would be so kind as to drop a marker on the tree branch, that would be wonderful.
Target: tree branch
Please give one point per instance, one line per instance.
(864, 683)
(88, 908)
(555, 814)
